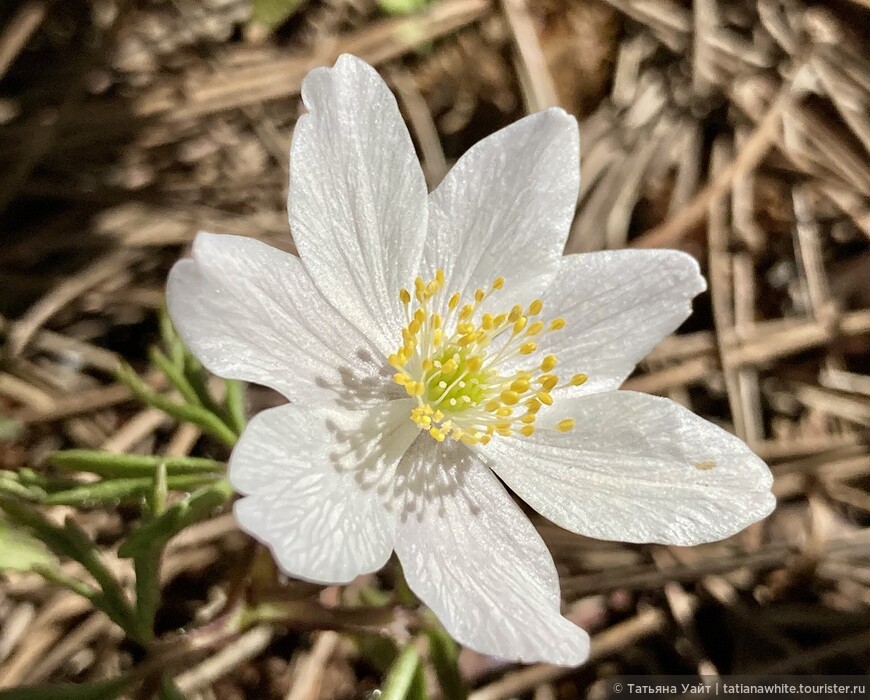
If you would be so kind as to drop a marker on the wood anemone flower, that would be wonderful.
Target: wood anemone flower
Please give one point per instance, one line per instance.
(434, 345)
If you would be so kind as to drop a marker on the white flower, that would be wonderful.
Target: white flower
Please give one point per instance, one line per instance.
(431, 345)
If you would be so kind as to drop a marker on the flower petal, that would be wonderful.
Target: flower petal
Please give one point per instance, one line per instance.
(618, 305)
(636, 468)
(249, 311)
(505, 209)
(317, 480)
(472, 556)
(357, 197)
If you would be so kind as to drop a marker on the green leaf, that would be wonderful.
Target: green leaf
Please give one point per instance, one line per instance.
(235, 404)
(272, 13)
(97, 690)
(70, 541)
(121, 490)
(169, 691)
(110, 465)
(402, 7)
(198, 506)
(444, 654)
(9, 429)
(210, 422)
(405, 679)
(175, 374)
(20, 551)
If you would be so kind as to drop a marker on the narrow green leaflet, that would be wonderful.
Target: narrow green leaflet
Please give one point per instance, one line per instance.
(196, 507)
(444, 655)
(99, 690)
(186, 413)
(69, 541)
(121, 490)
(19, 551)
(272, 13)
(110, 465)
(405, 680)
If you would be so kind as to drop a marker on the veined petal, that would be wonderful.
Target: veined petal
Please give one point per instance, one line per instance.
(357, 197)
(472, 556)
(317, 481)
(618, 305)
(249, 311)
(506, 207)
(636, 468)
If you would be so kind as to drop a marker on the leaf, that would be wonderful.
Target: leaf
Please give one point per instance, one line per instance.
(405, 679)
(198, 506)
(70, 541)
(20, 551)
(444, 654)
(402, 7)
(121, 490)
(273, 13)
(169, 691)
(185, 413)
(110, 465)
(97, 690)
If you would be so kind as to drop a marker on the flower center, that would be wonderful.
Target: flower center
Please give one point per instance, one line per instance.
(456, 366)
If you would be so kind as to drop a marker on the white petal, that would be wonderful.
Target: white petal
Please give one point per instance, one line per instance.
(318, 480)
(618, 305)
(472, 556)
(505, 209)
(636, 468)
(357, 197)
(249, 311)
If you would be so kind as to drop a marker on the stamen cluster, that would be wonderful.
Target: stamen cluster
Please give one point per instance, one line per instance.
(454, 375)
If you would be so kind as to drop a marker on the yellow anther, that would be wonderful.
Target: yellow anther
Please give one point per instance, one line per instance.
(521, 386)
(437, 434)
(544, 397)
(535, 328)
(579, 379)
(509, 397)
(548, 381)
(460, 387)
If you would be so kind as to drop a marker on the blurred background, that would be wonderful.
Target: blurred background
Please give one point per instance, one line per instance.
(737, 131)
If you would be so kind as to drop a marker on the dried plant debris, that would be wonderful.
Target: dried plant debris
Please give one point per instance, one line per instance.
(737, 131)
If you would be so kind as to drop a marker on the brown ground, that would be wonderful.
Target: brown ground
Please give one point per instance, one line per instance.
(738, 131)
